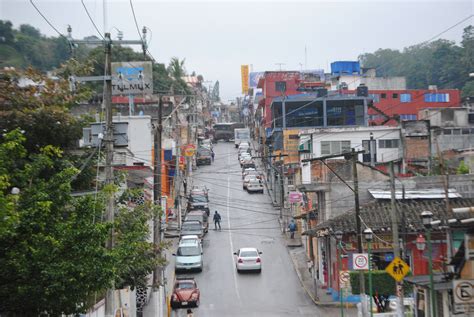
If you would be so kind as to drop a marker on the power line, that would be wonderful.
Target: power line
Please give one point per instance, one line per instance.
(47, 21)
(378, 67)
(92, 21)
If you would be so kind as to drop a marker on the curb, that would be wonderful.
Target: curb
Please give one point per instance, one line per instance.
(308, 292)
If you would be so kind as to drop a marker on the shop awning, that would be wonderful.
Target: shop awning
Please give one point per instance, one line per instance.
(440, 283)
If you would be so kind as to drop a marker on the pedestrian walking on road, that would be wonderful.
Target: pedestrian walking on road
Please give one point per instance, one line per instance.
(292, 228)
(189, 313)
(185, 185)
(212, 155)
(217, 220)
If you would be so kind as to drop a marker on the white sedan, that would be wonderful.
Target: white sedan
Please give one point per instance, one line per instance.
(248, 259)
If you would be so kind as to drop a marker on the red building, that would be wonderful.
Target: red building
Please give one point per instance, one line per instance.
(276, 84)
(407, 103)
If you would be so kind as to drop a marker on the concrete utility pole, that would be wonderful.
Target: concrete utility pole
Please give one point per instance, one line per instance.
(354, 155)
(157, 274)
(108, 139)
(109, 170)
(355, 188)
(177, 176)
(395, 237)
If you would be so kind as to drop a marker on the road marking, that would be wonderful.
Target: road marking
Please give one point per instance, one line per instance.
(230, 234)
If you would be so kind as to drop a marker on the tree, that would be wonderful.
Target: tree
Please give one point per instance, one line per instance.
(53, 257)
(6, 32)
(40, 109)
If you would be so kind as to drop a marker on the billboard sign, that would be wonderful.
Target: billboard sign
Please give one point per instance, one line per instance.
(254, 77)
(244, 70)
(132, 78)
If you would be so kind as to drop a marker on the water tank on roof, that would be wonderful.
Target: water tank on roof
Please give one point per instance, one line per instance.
(345, 68)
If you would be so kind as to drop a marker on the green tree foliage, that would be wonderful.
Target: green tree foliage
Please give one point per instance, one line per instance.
(53, 257)
(40, 108)
(442, 63)
(462, 168)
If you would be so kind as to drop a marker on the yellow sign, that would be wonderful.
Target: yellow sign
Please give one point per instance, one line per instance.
(398, 269)
(189, 150)
(244, 71)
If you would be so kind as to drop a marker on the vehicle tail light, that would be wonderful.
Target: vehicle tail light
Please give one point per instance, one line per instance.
(258, 260)
(240, 261)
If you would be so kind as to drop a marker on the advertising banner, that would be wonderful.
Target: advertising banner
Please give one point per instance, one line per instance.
(244, 70)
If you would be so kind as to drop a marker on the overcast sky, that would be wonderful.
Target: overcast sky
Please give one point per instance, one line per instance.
(216, 37)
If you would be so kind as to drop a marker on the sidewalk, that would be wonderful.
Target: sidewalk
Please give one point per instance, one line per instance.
(317, 294)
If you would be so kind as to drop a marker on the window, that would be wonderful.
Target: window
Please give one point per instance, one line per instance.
(383, 96)
(447, 131)
(457, 131)
(395, 96)
(280, 86)
(335, 147)
(405, 117)
(389, 144)
(436, 97)
(405, 97)
(375, 97)
(465, 131)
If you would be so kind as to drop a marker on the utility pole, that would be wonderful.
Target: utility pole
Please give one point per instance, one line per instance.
(282, 190)
(109, 170)
(177, 176)
(355, 189)
(354, 155)
(395, 237)
(157, 274)
(108, 138)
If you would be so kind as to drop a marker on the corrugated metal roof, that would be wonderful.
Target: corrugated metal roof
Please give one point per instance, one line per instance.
(415, 194)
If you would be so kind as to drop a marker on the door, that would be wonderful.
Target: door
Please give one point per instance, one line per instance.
(368, 150)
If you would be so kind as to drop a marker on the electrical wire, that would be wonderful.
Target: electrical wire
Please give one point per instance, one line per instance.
(92, 21)
(378, 67)
(47, 21)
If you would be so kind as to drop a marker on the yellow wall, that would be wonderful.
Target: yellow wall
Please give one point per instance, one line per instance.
(291, 146)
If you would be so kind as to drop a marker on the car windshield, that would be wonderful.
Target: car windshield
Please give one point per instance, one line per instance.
(185, 285)
(199, 199)
(194, 217)
(191, 227)
(188, 251)
(248, 254)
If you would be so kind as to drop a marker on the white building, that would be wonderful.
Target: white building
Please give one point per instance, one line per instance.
(321, 142)
(133, 139)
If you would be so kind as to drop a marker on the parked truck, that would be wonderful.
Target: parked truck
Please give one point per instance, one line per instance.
(241, 135)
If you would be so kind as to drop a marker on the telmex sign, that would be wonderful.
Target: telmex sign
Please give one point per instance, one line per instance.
(132, 78)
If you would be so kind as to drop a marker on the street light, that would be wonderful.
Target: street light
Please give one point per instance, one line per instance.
(427, 217)
(338, 234)
(368, 234)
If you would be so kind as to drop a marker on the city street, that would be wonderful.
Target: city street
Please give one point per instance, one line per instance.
(248, 220)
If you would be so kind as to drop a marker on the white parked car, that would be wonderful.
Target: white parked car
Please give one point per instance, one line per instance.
(247, 180)
(189, 256)
(255, 186)
(248, 259)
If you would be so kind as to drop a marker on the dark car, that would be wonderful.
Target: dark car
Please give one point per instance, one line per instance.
(198, 202)
(192, 227)
(185, 293)
(199, 215)
(203, 156)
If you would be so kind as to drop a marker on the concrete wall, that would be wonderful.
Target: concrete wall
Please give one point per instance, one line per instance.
(452, 142)
(449, 117)
(374, 83)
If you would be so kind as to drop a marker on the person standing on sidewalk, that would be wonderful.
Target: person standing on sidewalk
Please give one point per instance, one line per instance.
(217, 220)
(292, 228)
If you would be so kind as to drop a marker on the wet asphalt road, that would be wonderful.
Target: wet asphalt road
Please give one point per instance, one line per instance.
(248, 220)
